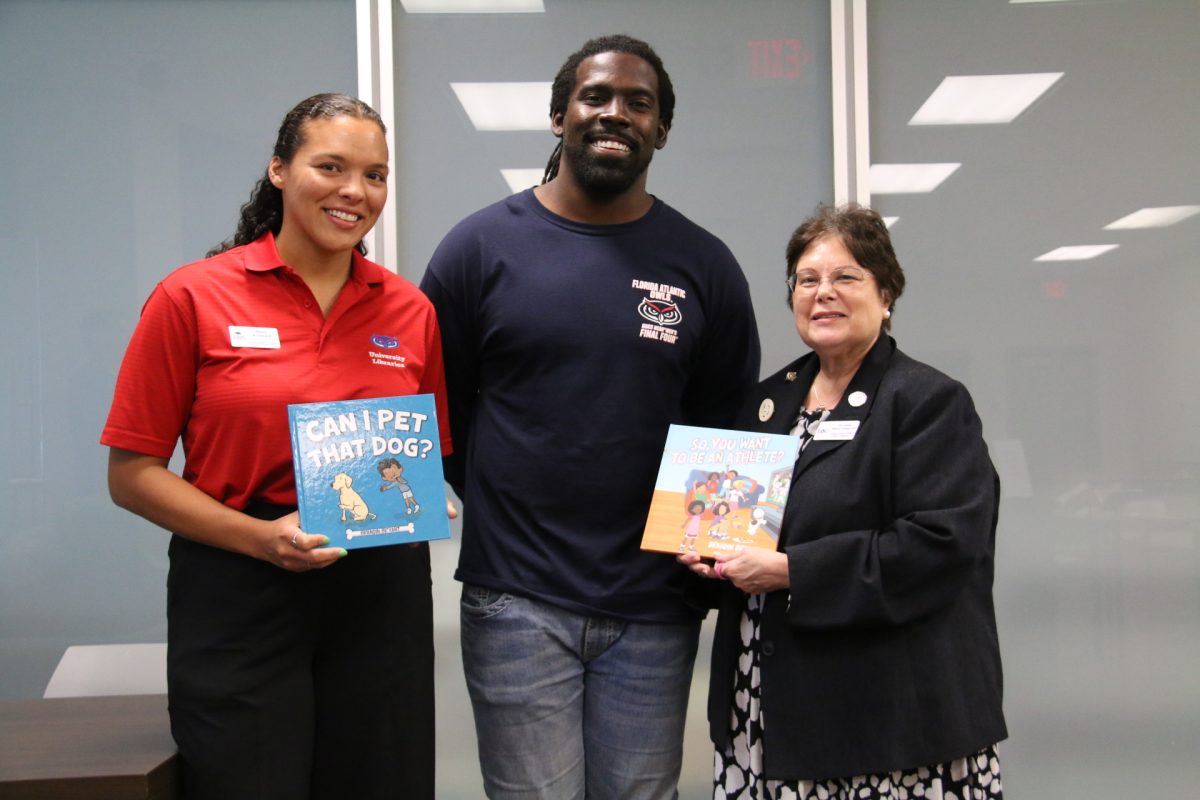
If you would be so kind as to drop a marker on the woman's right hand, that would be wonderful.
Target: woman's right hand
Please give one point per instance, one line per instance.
(145, 486)
(290, 548)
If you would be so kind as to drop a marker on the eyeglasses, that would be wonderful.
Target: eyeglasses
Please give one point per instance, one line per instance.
(842, 278)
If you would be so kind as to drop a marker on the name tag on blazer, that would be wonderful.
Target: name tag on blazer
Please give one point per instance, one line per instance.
(840, 430)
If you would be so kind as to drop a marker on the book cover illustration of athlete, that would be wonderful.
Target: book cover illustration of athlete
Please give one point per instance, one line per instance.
(369, 472)
(719, 490)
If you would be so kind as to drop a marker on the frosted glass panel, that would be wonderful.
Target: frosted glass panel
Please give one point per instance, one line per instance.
(749, 155)
(132, 132)
(1084, 370)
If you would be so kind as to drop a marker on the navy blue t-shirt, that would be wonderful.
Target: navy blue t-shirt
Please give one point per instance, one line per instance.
(569, 348)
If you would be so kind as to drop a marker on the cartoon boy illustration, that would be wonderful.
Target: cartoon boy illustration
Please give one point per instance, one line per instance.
(391, 471)
(727, 483)
(736, 493)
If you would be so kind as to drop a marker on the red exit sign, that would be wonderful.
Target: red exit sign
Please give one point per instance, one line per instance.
(777, 59)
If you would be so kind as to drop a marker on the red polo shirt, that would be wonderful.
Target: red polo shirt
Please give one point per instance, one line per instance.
(225, 344)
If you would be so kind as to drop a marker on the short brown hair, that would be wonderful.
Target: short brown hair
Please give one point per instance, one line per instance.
(864, 234)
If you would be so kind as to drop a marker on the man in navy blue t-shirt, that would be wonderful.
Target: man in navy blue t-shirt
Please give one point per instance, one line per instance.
(579, 319)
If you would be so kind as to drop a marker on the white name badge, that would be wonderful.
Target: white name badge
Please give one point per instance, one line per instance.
(841, 430)
(246, 336)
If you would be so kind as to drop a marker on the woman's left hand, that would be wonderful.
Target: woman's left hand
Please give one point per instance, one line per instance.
(753, 569)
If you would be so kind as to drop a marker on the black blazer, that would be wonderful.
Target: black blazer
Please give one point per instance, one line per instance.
(884, 653)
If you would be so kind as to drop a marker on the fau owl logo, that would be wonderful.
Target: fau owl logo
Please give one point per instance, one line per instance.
(660, 312)
(386, 342)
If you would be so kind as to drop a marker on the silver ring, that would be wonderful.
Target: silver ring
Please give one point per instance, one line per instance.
(294, 535)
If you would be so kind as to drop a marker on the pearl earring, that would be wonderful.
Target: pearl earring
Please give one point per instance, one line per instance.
(887, 313)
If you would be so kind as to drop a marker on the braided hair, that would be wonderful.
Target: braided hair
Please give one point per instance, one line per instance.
(264, 211)
(564, 83)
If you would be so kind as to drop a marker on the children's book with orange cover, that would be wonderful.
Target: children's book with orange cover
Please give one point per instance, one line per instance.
(720, 490)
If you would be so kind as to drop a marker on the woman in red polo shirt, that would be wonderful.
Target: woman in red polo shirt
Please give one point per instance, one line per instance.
(293, 670)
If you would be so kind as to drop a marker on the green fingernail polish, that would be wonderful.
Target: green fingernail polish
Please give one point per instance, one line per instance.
(343, 553)
(324, 540)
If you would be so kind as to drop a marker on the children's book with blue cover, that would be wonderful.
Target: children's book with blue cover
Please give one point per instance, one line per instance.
(720, 490)
(369, 472)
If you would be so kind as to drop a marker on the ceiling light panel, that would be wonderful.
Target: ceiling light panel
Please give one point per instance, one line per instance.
(1076, 252)
(519, 180)
(908, 178)
(983, 99)
(506, 106)
(1159, 217)
(472, 6)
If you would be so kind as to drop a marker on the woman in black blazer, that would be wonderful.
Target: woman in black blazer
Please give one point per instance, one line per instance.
(860, 660)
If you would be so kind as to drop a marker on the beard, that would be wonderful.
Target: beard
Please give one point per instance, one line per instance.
(603, 176)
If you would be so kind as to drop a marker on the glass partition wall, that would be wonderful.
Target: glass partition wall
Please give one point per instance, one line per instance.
(133, 132)
(749, 155)
(1051, 254)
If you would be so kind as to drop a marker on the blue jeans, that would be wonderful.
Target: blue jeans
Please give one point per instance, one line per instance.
(569, 707)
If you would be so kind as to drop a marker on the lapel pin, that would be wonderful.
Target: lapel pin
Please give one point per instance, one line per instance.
(766, 410)
(856, 399)
(791, 376)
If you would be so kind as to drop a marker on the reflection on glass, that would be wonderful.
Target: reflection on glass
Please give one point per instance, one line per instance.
(1081, 252)
(472, 6)
(521, 179)
(505, 106)
(982, 99)
(909, 178)
(1153, 217)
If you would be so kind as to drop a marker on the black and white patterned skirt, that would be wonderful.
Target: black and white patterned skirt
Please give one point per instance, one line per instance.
(738, 772)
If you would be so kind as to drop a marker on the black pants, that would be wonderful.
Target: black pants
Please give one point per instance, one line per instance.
(301, 685)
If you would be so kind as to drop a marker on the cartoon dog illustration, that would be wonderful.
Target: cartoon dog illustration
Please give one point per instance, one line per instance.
(757, 518)
(350, 500)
